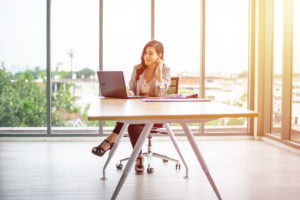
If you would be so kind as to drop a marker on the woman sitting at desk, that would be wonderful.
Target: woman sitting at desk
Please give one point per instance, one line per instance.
(150, 78)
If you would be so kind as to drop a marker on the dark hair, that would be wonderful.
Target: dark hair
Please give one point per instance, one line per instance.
(159, 48)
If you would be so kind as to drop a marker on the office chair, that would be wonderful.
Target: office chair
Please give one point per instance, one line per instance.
(157, 129)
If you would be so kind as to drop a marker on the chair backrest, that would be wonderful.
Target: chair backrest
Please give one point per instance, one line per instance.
(173, 88)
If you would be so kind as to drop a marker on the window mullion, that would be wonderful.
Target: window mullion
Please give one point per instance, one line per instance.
(287, 62)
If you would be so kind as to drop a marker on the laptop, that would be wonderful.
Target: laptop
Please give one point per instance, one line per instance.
(112, 84)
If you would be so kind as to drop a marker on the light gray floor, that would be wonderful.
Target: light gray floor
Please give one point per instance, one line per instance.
(242, 169)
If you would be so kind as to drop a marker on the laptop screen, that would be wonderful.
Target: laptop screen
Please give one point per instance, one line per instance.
(112, 84)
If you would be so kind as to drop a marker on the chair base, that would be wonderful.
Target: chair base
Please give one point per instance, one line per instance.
(149, 156)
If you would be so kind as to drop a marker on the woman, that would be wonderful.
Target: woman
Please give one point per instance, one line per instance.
(150, 78)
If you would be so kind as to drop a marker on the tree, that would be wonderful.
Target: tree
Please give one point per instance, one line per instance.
(63, 105)
(22, 101)
(85, 73)
(64, 74)
(5, 78)
(243, 74)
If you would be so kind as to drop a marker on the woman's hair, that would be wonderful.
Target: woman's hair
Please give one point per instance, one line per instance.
(159, 48)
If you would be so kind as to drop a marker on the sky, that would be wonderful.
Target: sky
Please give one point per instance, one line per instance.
(75, 27)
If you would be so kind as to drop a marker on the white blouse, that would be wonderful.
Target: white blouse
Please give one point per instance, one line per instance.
(145, 87)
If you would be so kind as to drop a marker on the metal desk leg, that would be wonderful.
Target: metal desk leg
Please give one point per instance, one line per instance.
(137, 148)
(196, 150)
(112, 152)
(171, 134)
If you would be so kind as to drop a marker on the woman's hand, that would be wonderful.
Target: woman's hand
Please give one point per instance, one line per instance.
(160, 64)
(129, 93)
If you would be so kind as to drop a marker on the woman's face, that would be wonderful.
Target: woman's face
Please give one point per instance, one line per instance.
(150, 56)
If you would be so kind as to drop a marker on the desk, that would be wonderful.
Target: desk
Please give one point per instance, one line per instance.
(135, 111)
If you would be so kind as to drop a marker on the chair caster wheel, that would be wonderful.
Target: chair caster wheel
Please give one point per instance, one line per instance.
(119, 166)
(178, 166)
(165, 160)
(150, 170)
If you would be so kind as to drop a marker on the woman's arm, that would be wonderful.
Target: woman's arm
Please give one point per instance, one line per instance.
(161, 87)
(132, 82)
(160, 64)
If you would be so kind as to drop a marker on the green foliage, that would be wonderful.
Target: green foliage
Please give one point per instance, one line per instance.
(64, 75)
(218, 122)
(85, 115)
(186, 91)
(5, 78)
(236, 121)
(42, 74)
(226, 122)
(63, 106)
(23, 101)
(63, 99)
(109, 123)
(85, 73)
(244, 74)
(36, 73)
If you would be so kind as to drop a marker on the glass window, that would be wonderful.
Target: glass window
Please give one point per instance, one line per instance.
(75, 58)
(125, 32)
(23, 64)
(277, 66)
(296, 76)
(226, 58)
(178, 28)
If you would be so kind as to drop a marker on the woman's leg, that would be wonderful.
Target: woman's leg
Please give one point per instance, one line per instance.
(134, 131)
(108, 142)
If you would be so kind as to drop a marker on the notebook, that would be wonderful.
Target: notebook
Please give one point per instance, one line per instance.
(112, 84)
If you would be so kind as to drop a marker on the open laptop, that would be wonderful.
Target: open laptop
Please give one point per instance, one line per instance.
(112, 84)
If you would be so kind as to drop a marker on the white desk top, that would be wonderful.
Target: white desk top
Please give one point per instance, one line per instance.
(136, 109)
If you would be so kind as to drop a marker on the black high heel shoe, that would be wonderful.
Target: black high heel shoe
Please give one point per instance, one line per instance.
(99, 151)
(139, 169)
